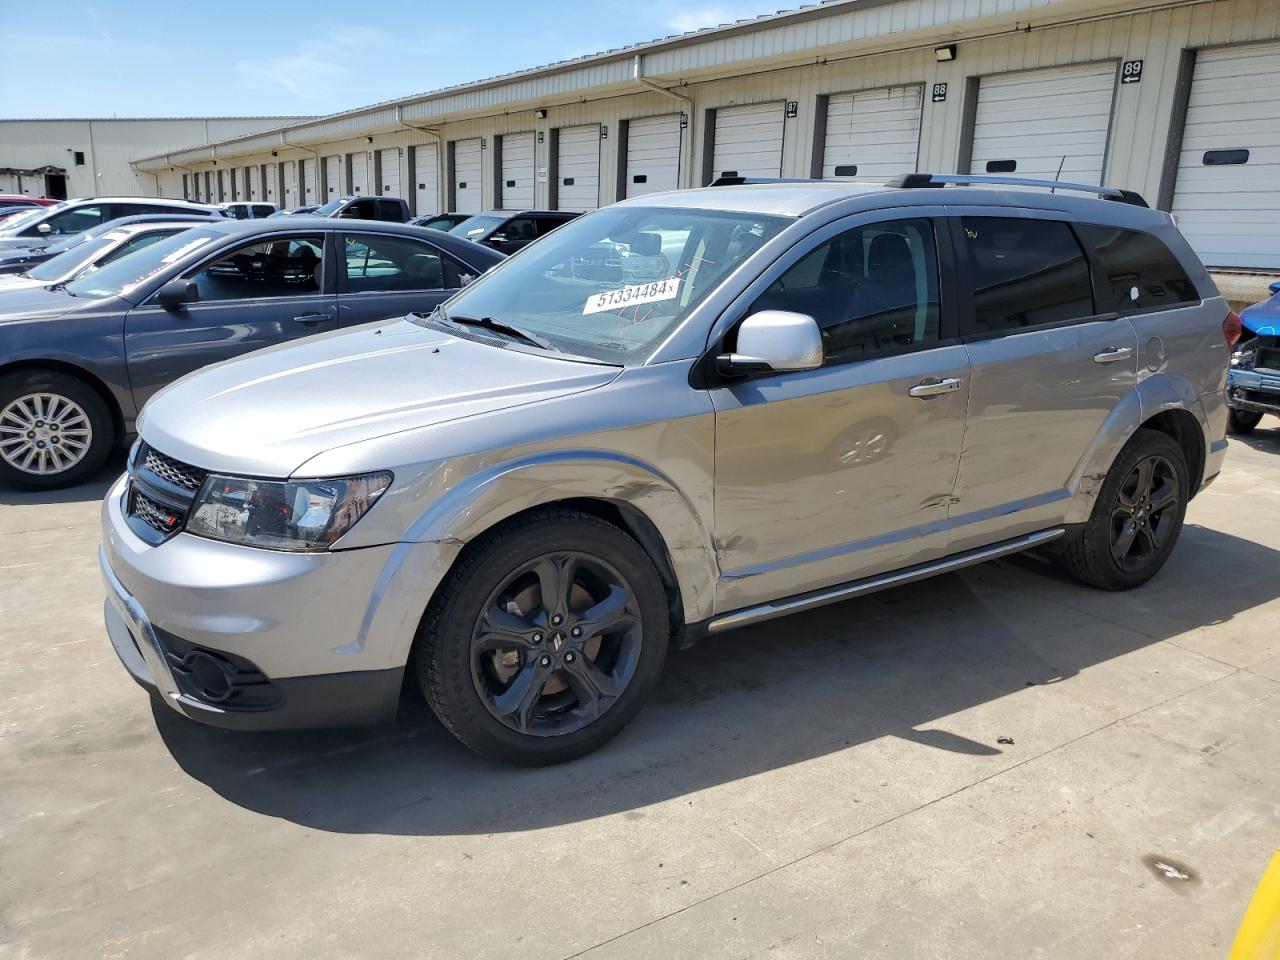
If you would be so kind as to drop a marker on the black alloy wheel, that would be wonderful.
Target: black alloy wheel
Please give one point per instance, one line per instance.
(1145, 513)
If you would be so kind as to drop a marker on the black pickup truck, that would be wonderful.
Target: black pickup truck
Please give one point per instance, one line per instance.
(388, 209)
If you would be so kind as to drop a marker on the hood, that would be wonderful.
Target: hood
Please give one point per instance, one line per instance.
(39, 303)
(1263, 318)
(268, 413)
(14, 281)
(23, 243)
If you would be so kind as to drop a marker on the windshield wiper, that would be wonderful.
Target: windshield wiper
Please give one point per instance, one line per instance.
(498, 326)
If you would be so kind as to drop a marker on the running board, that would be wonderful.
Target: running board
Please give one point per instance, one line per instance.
(820, 598)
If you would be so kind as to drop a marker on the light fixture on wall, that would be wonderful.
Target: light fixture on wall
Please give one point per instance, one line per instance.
(944, 54)
(540, 114)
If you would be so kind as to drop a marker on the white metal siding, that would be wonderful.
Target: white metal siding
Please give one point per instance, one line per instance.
(332, 179)
(426, 179)
(389, 163)
(517, 170)
(1044, 120)
(748, 141)
(360, 173)
(1231, 213)
(875, 131)
(468, 174)
(653, 154)
(578, 168)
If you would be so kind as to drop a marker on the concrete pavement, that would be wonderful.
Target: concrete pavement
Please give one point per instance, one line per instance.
(832, 785)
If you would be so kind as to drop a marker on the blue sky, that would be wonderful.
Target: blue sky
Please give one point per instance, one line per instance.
(232, 57)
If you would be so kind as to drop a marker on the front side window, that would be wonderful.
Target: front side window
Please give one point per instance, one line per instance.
(519, 230)
(873, 289)
(76, 220)
(612, 285)
(278, 267)
(381, 263)
(1138, 271)
(1025, 273)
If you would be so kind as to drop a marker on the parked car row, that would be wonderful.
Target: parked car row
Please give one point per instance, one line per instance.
(677, 415)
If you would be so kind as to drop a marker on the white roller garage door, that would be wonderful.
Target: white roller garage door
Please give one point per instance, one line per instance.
(1029, 123)
(332, 179)
(389, 171)
(468, 174)
(426, 179)
(517, 170)
(306, 181)
(653, 154)
(873, 134)
(359, 172)
(578, 168)
(252, 177)
(748, 141)
(1227, 194)
(290, 183)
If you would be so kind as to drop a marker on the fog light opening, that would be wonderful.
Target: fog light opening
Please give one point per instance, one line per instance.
(211, 676)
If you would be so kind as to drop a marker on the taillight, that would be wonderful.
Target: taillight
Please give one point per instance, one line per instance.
(1231, 329)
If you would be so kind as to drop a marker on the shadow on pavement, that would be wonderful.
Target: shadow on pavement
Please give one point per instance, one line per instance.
(1265, 437)
(736, 705)
(92, 489)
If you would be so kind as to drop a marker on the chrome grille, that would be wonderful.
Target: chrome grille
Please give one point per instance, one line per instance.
(174, 471)
(153, 514)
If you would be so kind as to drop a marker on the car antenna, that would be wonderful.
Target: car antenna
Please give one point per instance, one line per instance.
(1058, 176)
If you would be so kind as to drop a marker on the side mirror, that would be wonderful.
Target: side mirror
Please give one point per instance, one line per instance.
(498, 238)
(774, 341)
(44, 228)
(1275, 287)
(177, 292)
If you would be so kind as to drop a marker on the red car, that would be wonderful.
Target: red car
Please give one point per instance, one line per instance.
(22, 200)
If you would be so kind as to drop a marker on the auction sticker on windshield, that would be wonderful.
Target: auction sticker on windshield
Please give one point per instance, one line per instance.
(667, 289)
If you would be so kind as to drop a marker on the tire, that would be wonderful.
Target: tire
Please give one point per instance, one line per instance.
(39, 453)
(1119, 510)
(1241, 422)
(472, 670)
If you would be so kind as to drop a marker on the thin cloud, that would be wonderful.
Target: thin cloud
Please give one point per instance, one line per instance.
(697, 19)
(315, 70)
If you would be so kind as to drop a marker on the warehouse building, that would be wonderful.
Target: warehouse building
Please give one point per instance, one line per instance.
(1178, 100)
(85, 158)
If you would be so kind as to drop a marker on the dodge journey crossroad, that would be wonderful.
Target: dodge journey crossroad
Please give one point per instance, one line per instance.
(678, 415)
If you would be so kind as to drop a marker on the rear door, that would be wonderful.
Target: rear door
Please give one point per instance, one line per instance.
(1048, 369)
(257, 294)
(386, 275)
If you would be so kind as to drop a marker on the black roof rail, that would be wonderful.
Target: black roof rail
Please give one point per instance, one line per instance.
(736, 181)
(916, 180)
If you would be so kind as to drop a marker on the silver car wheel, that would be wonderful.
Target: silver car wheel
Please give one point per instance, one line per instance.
(44, 434)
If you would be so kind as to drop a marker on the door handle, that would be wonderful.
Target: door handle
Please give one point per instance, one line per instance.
(1113, 355)
(933, 387)
(311, 319)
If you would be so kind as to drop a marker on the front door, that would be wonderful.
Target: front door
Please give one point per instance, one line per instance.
(257, 295)
(847, 471)
(382, 276)
(1048, 369)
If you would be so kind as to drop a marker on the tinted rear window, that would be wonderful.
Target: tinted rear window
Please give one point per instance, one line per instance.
(1137, 271)
(1025, 273)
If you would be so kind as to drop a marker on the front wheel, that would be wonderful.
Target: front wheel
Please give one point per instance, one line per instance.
(55, 430)
(545, 639)
(1241, 422)
(1137, 517)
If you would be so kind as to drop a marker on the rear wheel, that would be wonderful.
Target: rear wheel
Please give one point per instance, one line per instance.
(545, 639)
(1241, 422)
(1137, 517)
(54, 430)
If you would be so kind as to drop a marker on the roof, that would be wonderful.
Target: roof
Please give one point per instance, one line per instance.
(766, 199)
(269, 116)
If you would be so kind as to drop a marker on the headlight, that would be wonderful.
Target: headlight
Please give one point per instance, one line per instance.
(283, 514)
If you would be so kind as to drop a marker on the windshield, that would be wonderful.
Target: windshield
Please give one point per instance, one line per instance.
(19, 221)
(66, 263)
(119, 278)
(611, 285)
(475, 227)
(327, 209)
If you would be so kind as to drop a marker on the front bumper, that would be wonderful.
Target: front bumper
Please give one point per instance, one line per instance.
(1253, 390)
(304, 640)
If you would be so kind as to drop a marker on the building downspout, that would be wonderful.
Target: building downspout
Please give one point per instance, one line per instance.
(686, 138)
(434, 133)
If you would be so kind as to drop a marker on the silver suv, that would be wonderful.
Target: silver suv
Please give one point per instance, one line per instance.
(678, 415)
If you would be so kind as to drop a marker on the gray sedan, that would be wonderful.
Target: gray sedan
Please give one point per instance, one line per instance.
(79, 362)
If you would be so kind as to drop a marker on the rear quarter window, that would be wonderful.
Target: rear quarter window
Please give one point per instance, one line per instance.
(1136, 270)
